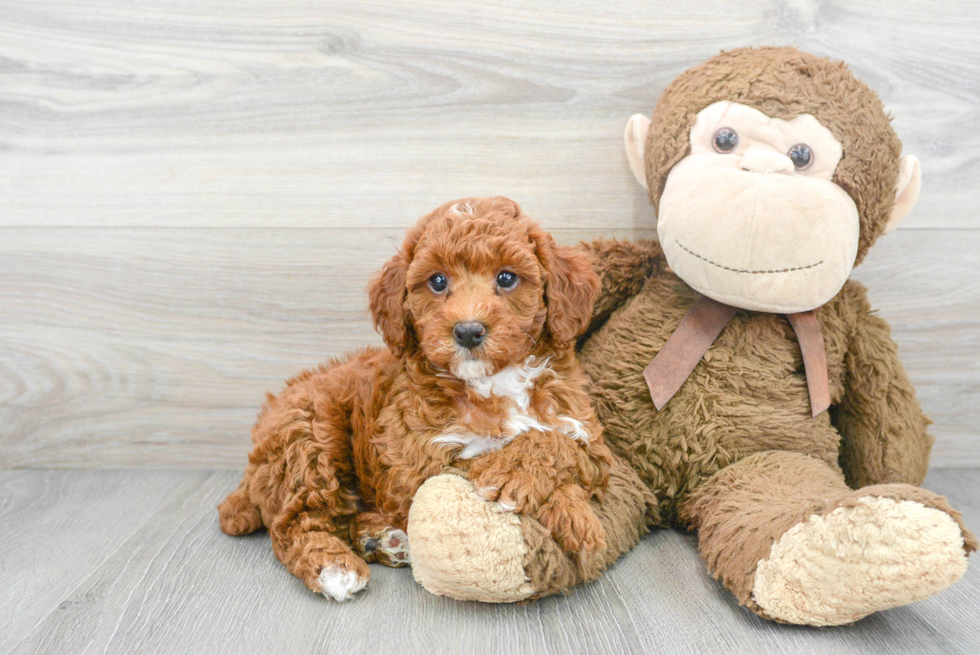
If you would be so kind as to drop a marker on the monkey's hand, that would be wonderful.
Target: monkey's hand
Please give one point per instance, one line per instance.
(622, 267)
(880, 419)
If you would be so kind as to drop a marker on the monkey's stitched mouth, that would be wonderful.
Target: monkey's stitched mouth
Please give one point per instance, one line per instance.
(737, 270)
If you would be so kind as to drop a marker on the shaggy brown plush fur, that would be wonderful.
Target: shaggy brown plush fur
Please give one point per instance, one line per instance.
(341, 452)
(749, 393)
(736, 453)
(746, 402)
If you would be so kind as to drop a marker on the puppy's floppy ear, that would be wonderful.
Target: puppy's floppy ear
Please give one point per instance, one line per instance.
(387, 294)
(571, 288)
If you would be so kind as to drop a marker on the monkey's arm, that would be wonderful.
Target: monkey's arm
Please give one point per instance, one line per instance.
(622, 267)
(879, 417)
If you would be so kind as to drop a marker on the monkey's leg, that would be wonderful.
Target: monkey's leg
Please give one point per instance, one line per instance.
(469, 549)
(785, 534)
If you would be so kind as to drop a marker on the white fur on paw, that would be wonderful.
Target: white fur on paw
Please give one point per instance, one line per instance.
(340, 583)
(841, 567)
(394, 543)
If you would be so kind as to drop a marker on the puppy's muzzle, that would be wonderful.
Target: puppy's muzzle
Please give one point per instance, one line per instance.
(469, 334)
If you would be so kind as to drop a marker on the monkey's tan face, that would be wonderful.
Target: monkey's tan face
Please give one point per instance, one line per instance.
(752, 218)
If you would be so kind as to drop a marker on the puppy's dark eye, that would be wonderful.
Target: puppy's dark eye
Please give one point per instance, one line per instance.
(725, 140)
(438, 283)
(801, 155)
(506, 280)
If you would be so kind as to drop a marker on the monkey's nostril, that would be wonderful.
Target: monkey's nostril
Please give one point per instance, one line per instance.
(469, 334)
(760, 160)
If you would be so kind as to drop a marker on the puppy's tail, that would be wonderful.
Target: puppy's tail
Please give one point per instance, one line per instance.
(238, 515)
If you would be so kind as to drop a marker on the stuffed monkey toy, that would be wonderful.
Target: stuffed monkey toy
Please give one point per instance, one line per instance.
(747, 383)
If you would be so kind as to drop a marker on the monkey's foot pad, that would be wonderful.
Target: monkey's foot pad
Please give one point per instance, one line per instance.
(880, 553)
(465, 547)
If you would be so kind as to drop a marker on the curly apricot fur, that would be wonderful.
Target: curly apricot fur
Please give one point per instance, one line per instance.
(341, 452)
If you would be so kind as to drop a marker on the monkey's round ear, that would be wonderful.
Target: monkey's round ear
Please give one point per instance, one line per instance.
(635, 140)
(909, 182)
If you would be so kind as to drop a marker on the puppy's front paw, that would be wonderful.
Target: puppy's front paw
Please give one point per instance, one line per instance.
(514, 489)
(570, 518)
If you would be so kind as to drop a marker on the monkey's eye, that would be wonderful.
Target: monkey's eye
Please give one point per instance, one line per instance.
(506, 280)
(725, 140)
(438, 283)
(801, 155)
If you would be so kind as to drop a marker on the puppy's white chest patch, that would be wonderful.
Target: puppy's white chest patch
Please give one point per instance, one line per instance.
(515, 383)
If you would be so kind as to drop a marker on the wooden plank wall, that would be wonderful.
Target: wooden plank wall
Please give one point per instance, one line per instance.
(193, 194)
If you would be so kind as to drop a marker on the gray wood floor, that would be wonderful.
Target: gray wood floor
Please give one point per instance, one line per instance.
(134, 562)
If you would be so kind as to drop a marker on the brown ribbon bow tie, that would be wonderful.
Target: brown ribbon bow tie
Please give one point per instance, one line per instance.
(698, 330)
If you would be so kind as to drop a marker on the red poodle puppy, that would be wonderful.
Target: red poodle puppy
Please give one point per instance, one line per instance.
(479, 311)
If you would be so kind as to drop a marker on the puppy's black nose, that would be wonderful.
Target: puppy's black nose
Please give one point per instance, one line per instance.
(469, 334)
